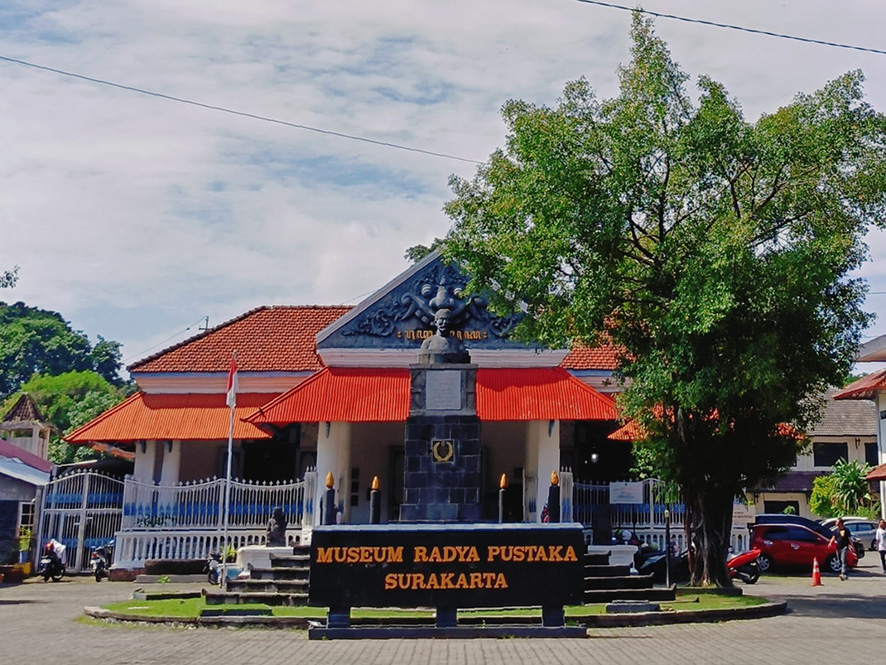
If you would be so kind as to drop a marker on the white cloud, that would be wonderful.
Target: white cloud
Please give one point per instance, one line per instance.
(134, 216)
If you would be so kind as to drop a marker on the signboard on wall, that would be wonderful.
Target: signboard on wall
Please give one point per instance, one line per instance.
(447, 565)
(626, 492)
(742, 513)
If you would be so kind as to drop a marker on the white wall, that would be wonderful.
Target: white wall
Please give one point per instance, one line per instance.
(333, 455)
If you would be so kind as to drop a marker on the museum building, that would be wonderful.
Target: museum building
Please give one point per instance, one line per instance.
(331, 390)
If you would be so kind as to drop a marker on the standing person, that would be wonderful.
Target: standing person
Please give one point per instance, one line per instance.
(843, 538)
(881, 543)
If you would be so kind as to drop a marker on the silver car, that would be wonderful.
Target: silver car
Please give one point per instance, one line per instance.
(861, 528)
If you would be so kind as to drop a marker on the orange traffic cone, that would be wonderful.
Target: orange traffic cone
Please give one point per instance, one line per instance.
(816, 573)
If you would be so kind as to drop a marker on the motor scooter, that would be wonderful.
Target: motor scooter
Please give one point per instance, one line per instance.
(100, 561)
(744, 566)
(52, 562)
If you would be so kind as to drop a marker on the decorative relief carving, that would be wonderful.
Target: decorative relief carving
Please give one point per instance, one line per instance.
(435, 299)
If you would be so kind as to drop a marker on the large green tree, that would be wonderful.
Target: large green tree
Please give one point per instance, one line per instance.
(38, 341)
(67, 401)
(716, 252)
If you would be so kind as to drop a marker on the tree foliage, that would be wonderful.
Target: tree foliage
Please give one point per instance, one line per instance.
(844, 491)
(8, 278)
(416, 253)
(716, 252)
(37, 341)
(67, 401)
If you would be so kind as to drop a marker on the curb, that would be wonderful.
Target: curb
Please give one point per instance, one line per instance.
(589, 621)
(683, 616)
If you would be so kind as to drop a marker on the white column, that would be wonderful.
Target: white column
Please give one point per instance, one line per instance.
(145, 455)
(172, 457)
(543, 453)
(334, 455)
(36, 441)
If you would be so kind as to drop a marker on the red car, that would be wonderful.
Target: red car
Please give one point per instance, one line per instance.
(796, 545)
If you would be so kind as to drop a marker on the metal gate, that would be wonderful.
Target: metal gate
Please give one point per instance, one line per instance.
(82, 511)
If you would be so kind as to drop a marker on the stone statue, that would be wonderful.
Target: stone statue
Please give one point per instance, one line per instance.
(277, 529)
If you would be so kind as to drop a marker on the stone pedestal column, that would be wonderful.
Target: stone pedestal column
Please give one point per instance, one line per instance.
(442, 474)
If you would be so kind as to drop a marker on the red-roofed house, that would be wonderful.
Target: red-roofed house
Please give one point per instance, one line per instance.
(328, 388)
(873, 388)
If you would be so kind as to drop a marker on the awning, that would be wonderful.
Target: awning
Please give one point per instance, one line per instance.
(192, 417)
(630, 431)
(866, 387)
(879, 473)
(341, 394)
(366, 394)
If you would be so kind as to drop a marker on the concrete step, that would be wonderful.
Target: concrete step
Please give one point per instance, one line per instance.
(280, 573)
(239, 598)
(268, 586)
(608, 595)
(596, 559)
(625, 582)
(607, 571)
(290, 560)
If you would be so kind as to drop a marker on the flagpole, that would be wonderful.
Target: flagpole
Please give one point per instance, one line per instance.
(231, 401)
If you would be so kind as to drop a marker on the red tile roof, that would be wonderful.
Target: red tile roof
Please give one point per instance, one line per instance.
(342, 394)
(357, 394)
(865, 388)
(12, 451)
(266, 339)
(173, 416)
(879, 473)
(630, 431)
(539, 394)
(585, 357)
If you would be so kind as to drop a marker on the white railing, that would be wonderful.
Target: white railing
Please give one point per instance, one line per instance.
(646, 519)
(200, 504)
(739, 538)
(587, 498)
(135, 547)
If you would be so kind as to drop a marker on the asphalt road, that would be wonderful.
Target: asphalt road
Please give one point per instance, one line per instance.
(837, 622)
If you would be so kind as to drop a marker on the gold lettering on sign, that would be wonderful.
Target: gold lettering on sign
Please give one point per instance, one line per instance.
(447, 554)
(459, 334)
(447, 581)
(530, 553)
(359, 555)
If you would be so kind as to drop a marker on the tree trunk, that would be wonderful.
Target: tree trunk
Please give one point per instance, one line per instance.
(708, 524)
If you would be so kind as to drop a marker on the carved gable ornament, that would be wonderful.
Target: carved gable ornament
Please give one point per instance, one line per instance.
(412, 307)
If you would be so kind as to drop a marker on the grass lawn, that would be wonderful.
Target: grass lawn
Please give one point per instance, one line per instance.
(191, 608)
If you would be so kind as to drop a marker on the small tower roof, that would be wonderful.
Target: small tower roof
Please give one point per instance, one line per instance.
(24, 411)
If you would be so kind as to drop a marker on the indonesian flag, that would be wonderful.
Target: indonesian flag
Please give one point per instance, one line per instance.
(231, 400)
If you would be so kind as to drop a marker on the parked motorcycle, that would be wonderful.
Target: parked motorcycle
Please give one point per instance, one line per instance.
(655, 562)
(52, 561)
(745, 566)
(100, 561)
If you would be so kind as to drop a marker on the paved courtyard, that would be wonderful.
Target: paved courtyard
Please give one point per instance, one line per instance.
(837, 622)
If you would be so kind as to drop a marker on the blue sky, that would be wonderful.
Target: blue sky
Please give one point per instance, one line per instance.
(134, 216)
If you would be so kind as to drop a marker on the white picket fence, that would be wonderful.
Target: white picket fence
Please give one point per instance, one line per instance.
(200, 504)
(136, 547)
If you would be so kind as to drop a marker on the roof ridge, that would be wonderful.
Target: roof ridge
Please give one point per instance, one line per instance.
(221, 326)
(273, 402)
